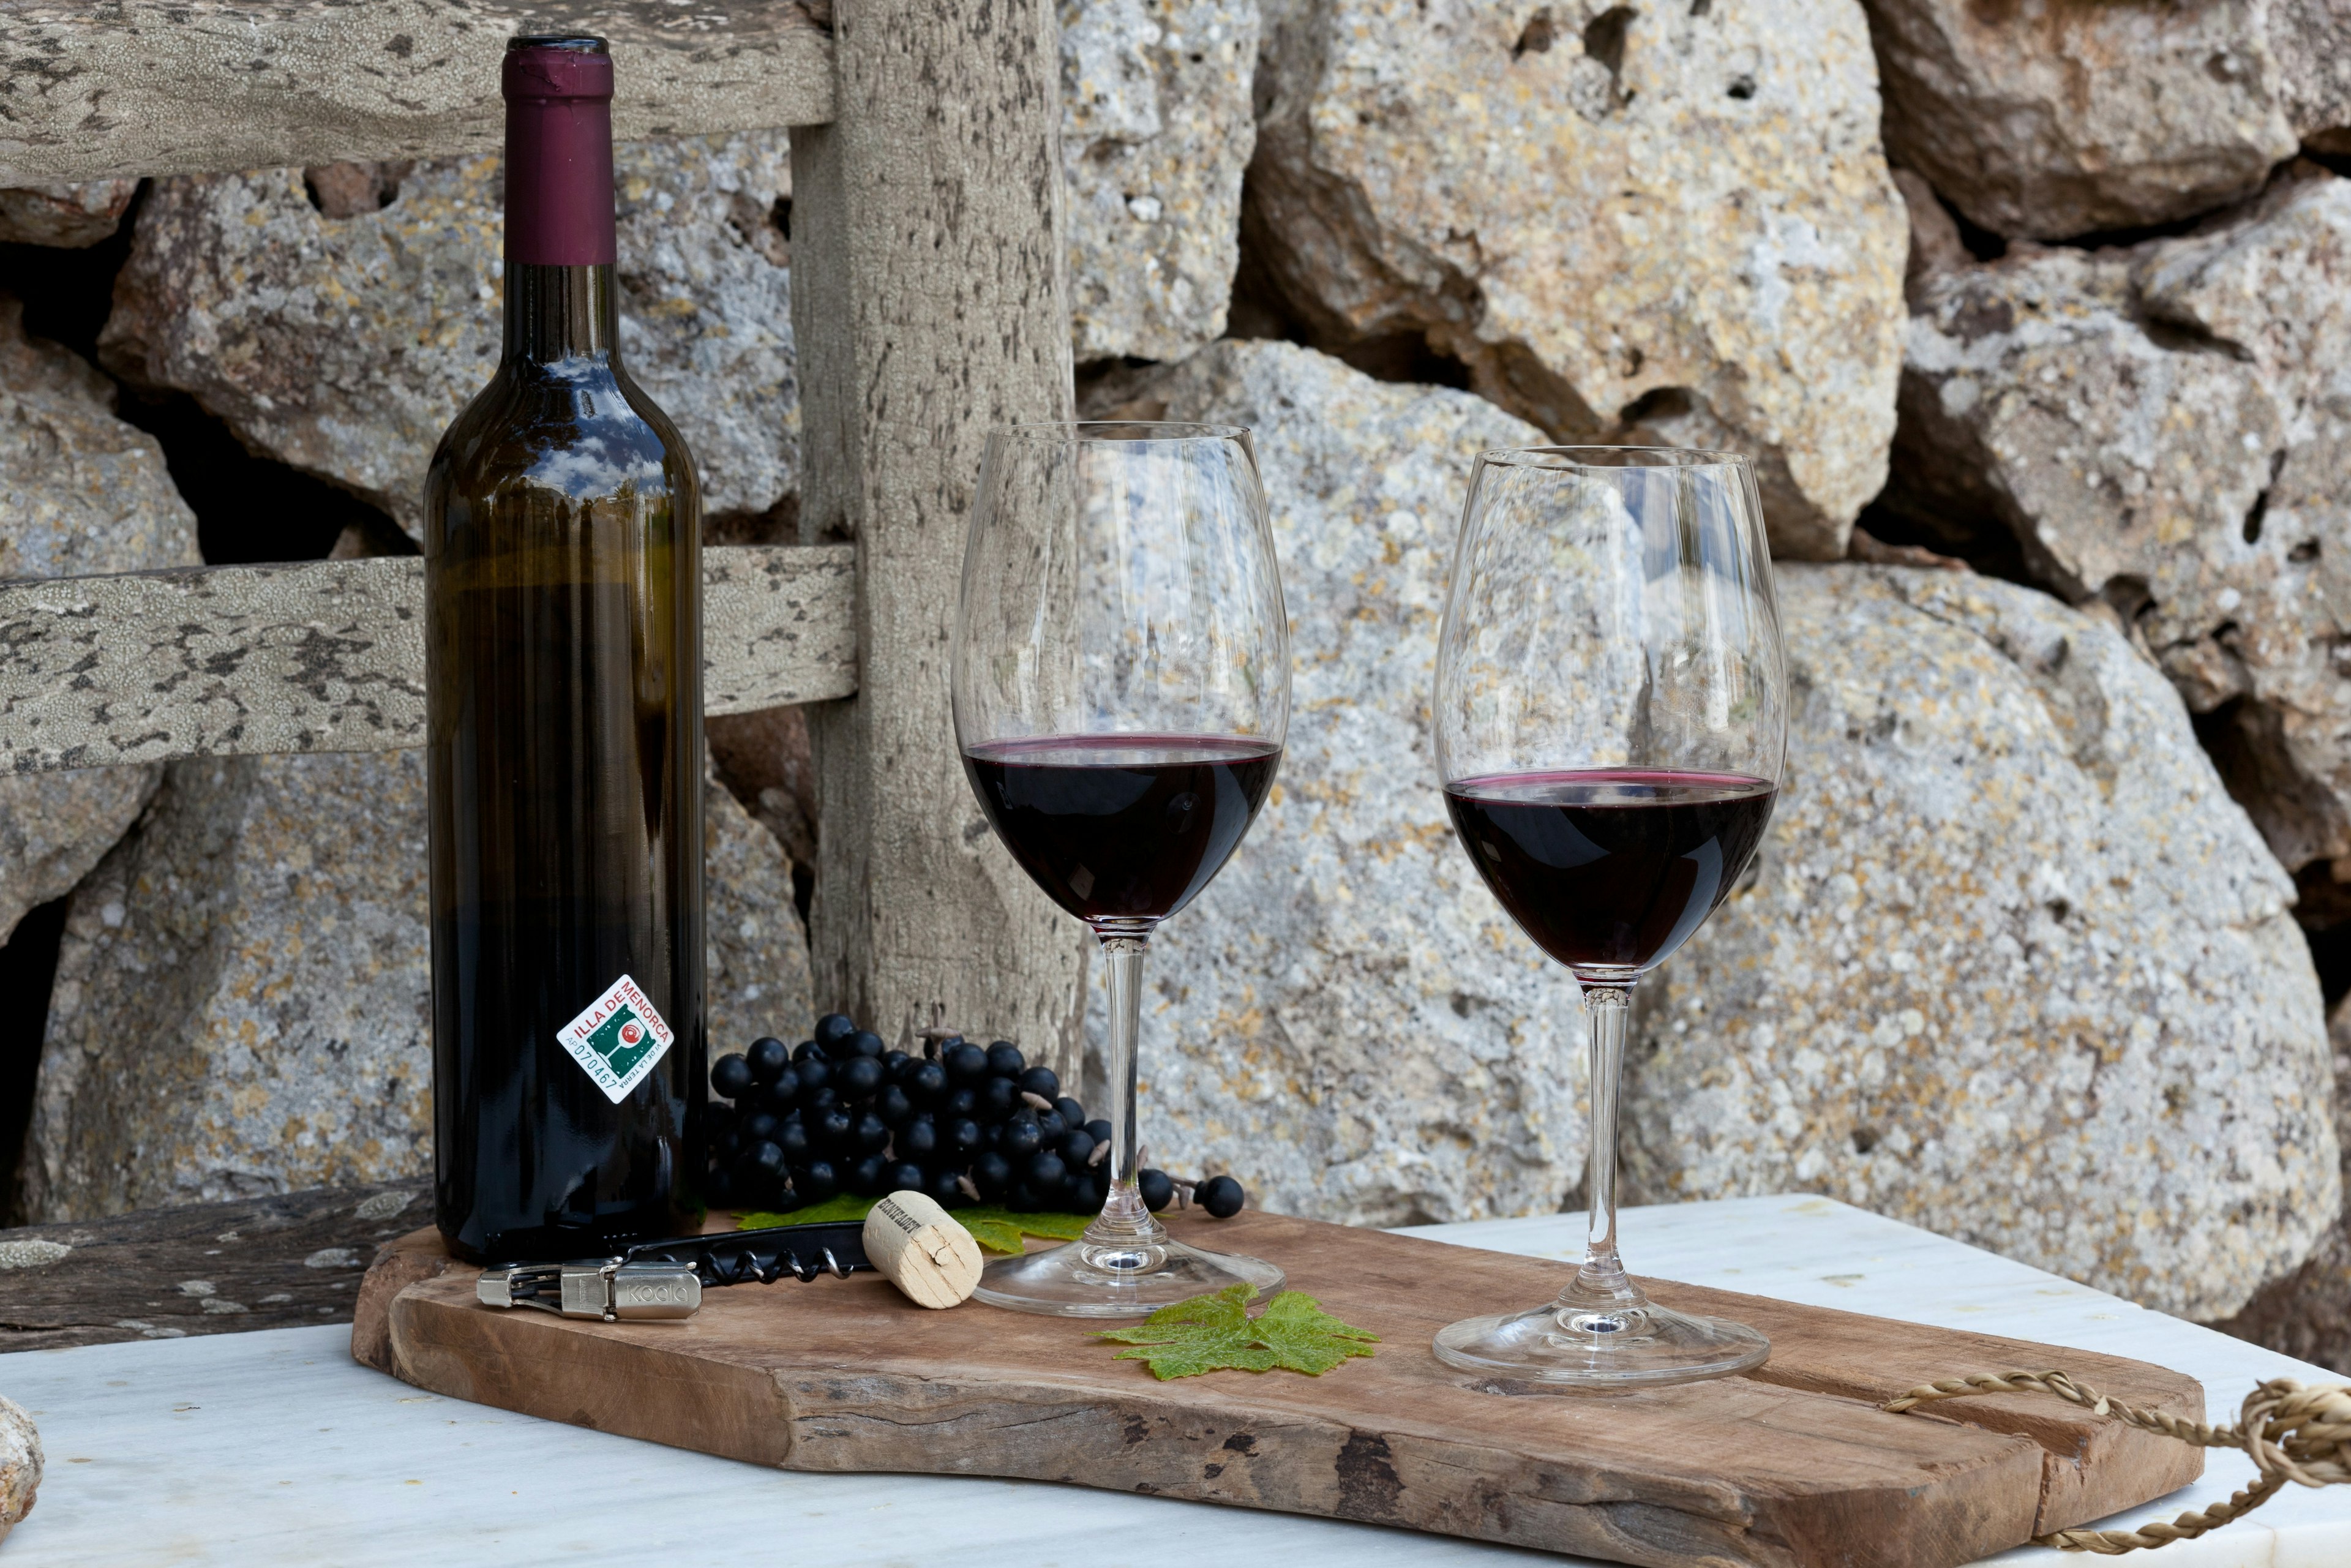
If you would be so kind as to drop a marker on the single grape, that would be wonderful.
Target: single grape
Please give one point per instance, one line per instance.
(1042, 1082)
(926, 1083)
(870, 1133)
(991, 1173)
(1022, 1198)
(905, 1175)
(726, 1145)
(966, 1062)
(833, 1027)
(1089, 1190)
(896, 1064)
(816, 1181)
(917, 1140)
(943, 1185)
(817, 1101)
(807, 1051)
(1004, 1060)
(962, 1102)
(997, 1096)
(767, 1059)
(1078, 1148)
(1050, 1126)
(833, 1129)
(783, 1094)
(760, 1127)
(767, 1157)
(858, 1077)
(963, 1134)
(867, 1175)
(1073, 1113)
(1045, 1171)
(1158, 1191)
(1221, 1195)
(731, 1074)
(813, 1073)
(793, 1139)
(1100, 1128)
(864, 1042)
(892, 1106)
(1019, 1138)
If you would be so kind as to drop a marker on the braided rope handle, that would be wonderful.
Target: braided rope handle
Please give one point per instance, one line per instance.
(2291, 1434)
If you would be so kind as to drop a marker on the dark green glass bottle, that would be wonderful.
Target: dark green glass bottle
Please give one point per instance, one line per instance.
(564, 643)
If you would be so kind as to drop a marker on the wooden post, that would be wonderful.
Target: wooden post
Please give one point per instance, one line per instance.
(929, 304)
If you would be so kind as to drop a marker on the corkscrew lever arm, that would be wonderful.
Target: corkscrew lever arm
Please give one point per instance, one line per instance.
(655, 1280)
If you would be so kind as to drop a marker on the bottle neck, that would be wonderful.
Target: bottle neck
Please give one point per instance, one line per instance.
(560, 240)
(556, 313)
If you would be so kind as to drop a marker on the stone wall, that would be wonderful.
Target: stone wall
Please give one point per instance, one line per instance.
(2045, 301)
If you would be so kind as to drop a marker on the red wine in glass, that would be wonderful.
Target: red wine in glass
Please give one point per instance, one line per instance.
(1611, 868)
(1122, 828)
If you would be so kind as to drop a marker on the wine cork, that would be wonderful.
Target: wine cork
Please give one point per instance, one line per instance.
(922, 1249)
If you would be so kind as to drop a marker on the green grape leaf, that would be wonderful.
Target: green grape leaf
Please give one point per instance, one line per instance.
(1216, 1333)
(1000, 1229)
(996, 1228)
(844, 1206)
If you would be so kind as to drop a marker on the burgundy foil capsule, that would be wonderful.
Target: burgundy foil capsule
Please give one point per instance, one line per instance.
(558, 95)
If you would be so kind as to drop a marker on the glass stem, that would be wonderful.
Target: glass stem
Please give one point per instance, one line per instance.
(1124, 1221)
(1602, 1277)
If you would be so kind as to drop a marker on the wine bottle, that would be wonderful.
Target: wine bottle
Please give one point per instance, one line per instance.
(563, 632)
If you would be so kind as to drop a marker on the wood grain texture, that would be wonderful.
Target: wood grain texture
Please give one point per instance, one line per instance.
(1789, 1467)
(929, 304)
(97, 89)
(286, 1260)
(329, 656)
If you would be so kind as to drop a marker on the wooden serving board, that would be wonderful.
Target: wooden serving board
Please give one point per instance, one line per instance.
(1789, 1464)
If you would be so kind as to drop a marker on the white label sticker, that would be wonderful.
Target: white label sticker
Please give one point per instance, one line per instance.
(618, 1039)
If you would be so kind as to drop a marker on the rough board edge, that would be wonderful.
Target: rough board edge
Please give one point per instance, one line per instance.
(147, 668)
(189, 87)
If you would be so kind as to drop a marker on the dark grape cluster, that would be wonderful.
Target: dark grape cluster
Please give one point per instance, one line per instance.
(962, 1122)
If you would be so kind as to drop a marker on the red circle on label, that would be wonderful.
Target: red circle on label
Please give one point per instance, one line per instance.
(631, 1034)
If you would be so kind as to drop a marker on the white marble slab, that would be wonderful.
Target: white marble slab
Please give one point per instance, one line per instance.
(267, 1449)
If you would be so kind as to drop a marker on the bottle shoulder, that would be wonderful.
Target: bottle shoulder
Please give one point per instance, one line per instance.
(588, 432)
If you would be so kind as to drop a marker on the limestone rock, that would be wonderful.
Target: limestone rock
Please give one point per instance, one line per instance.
(345, 346)
(70, 216)
(2311, 41)
(758, 977)
(20, 1465)
(1155, 130)
(2170, 426)
(85, 493)
(2307, 1314)
(2049, 118)
(1345, 1016)
(242, 1004)
(1674, 221)
(2013, 966)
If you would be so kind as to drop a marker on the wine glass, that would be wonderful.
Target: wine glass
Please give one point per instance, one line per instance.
(1122, 694)
(1611, 715)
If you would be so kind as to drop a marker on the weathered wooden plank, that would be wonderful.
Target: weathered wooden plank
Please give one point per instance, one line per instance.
(280, 1261)
(929, 304)
(329, 656)
(94, 89)
(1789, 1466)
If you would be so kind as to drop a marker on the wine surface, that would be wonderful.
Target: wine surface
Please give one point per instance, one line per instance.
(1610, 870)
(1121, 829)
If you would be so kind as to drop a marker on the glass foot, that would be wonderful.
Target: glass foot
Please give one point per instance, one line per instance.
(1619, 1346)
(1122, 1279)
